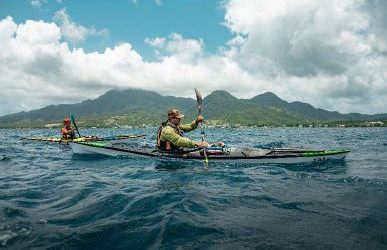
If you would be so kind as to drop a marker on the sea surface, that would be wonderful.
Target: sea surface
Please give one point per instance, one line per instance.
(53, 199)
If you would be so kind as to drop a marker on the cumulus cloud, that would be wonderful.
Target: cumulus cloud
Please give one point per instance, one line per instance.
(331, 54)
(175, 45)
(74, 32)
(299, 37)
(157, 2)
(334, 49)
(38, 69)
(157, 42)
(37, 3)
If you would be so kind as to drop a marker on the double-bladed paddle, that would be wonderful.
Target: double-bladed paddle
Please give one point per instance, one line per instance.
(199, 100)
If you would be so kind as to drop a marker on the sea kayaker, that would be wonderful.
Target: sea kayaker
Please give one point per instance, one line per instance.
(170, 135)
(67, 131)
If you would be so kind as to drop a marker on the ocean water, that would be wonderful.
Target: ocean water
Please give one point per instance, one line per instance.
(52, 199)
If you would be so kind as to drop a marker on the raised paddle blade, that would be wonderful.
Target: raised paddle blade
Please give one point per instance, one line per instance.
(72, 119)
(199, 98)
(75, 125)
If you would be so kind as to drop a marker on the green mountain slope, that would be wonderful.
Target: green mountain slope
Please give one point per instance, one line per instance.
(271, 100)
(225, 108)
(140, 107)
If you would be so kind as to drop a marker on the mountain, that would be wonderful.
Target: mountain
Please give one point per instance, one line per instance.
(225, 108)
(271, 100)
(137, 107)
(135, 104)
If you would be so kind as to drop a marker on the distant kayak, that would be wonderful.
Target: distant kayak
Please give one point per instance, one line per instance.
(116, 138)
(215, 154)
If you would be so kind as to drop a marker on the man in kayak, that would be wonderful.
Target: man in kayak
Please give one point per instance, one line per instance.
(170, 135)
(67, 131)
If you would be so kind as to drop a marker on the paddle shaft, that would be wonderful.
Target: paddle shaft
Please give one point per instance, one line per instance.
(203, 134)
(199, 100)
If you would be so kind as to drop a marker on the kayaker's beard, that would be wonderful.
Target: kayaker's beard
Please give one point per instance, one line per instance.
(175, 121)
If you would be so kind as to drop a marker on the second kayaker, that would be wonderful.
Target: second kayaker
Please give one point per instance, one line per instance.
(67, 131)
(170, 135)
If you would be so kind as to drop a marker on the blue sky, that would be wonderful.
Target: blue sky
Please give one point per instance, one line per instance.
(127, 20)
(331, 54)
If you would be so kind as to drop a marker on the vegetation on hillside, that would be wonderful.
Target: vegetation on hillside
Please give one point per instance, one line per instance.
(133, 107)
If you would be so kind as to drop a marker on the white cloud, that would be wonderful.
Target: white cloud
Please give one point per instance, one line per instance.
(74, 32)
(330, 54)
(157, 42)
(176, 45)
(300, 37)
(40, 70)
(157, 2)
(37, 3)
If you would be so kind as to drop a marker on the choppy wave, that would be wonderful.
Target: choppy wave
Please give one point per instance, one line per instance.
(51, 199)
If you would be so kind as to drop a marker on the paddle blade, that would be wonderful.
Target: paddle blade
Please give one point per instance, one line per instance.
(75, 125)
(72, 119)
(199, 98)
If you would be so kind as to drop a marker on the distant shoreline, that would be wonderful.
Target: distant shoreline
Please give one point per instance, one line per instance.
(208, 126)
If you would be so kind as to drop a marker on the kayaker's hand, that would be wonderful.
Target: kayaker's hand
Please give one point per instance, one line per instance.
(220, 144)
(199, 119)
(202, 144)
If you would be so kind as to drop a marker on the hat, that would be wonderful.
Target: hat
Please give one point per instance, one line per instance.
(66, 121)
(174, 113)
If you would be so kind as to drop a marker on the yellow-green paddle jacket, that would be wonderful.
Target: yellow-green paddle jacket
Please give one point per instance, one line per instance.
(171, 137)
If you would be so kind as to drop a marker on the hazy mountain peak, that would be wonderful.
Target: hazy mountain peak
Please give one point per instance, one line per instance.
(269, 99)
(220, 94)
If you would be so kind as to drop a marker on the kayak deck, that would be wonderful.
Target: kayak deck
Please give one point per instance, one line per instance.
(116, 138)
(243, 155)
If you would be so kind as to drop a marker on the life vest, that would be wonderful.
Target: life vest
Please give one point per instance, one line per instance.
(167, 145)
(67, 134)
